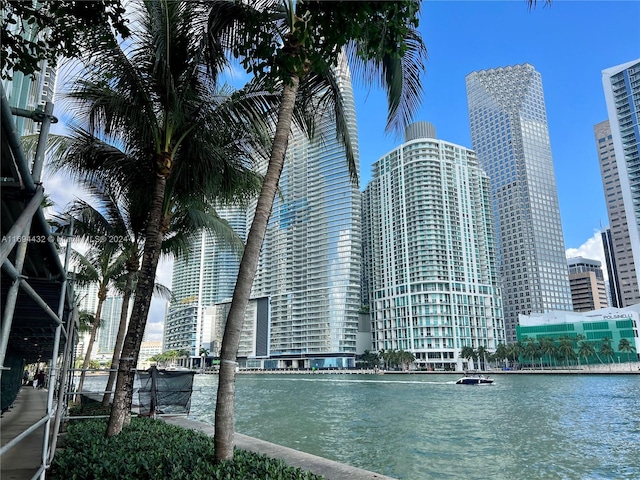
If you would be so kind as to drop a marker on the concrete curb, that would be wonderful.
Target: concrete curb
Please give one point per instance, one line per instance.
(329, 469)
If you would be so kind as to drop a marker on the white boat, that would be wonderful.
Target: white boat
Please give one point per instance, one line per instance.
(474, 380)
(175, 368)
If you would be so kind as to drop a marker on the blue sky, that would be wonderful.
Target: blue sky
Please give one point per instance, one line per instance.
(568, 42)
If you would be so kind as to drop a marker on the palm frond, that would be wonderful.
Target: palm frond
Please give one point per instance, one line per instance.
(400, 76)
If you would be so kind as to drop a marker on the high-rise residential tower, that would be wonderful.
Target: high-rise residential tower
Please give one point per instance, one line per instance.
(307, 286)
(587, 284)
(622, 93)
(430, 252)
(623, 282)
(108, 331)
(510, 134)
(613, 294)
(310, 260)
(203, 278)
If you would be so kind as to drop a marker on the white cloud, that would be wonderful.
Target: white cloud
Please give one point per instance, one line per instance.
(158, 309)
(61, 190)
(592, 249)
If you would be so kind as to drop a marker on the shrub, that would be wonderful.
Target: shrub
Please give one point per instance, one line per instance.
(151, 449)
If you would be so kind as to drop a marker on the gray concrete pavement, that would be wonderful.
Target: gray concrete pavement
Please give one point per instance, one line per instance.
(22, 461)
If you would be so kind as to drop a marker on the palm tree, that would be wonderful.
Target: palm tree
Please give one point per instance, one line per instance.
(204, 353)
(370, 359)
(184, 354)
(111, 219)
(501, 354)
(297, 44)
(406, 358)
(585, 350)
(532, 350)
(165, 129)
(481, 354)
(606, 350)
(118, 218)
(85, 320)
(101, 267)
(516, 350)
(387, 357)
(548, 348)
(565, 348)
(468, 354)
(625, 346)
(576, 344)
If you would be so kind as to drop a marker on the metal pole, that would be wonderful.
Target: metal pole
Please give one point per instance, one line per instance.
(12, 443)
(50, 411)
(21, 228)
(12, 297)
(67, 349)
(13, 273)
(38, 161)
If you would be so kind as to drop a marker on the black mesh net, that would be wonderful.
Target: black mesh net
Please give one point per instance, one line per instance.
(163, 391)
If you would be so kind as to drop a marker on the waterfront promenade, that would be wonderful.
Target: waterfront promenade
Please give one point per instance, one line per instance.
(22, 461)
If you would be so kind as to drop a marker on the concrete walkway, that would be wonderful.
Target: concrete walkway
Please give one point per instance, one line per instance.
(23, 460)
(329, 469)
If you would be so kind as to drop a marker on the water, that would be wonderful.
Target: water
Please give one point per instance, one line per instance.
(415, 427)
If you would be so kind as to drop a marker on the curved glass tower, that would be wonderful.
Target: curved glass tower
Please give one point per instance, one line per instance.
(310, 259)
(429, 252)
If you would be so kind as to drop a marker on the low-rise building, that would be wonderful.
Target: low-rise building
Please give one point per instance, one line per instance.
(607, 325)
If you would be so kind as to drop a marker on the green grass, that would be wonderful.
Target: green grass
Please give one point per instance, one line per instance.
(152, 449)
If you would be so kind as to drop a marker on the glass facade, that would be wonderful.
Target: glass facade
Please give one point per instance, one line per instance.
(622, 94)
(310, 259)
(204, 277)
(111, 309)
(623, 283)
(608, 325)
(309, 266)
(509, 132)
(429, 252)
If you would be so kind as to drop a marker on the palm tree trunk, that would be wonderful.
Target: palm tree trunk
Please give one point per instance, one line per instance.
(123, 396)
(92, 339)
(224, 416)
(122, 329)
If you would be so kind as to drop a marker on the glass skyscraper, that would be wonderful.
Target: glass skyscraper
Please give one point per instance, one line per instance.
(509, 132)
(429, 252)
(206, 276)
(623, 282)
(310, 260)
(309, 267)
(622, 93)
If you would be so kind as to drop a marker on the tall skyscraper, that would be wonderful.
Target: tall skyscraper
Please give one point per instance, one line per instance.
(111, 309)
(310, 260)
(29, 92)
(587, 284)
(622, 93)
(430, 252)
(307, 285)
(614, 293)
(203, 278)
(623, 282)
(509, 132)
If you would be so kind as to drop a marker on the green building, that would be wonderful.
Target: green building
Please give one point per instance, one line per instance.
(617, 327)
